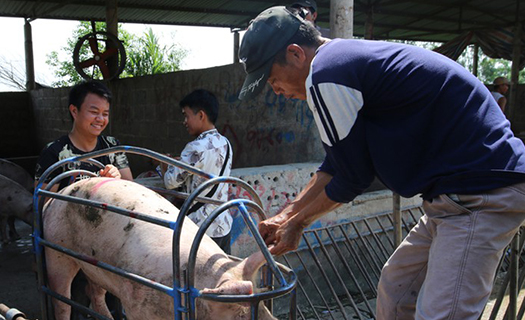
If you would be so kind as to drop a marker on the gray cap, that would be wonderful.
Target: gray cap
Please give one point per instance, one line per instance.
(267, 34)
(306, 4)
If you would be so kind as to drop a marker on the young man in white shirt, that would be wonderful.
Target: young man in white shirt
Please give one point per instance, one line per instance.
(210, 152)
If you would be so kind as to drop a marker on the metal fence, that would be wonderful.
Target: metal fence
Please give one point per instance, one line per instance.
(339, 268)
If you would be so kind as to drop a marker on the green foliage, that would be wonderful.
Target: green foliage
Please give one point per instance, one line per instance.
(488, 68)
(145, 55)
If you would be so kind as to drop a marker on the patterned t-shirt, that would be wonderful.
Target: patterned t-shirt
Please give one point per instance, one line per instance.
(207, 153)
(63, 148)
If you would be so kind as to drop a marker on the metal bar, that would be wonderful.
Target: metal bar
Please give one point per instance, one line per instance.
(104, 206)
(389, 239)
(363, 252)
(379, 243)
(368, 250)
(396, 212)
(359, 263)
(325, 276)
(302, 289)
(121, 272)
(513, 289)
(327, 306)
(338, 276)
(45, 290)
(350, 272)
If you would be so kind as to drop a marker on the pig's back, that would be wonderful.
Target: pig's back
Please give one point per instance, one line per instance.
(124, 242)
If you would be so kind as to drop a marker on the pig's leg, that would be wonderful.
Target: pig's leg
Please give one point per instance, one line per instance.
(13, 235)
(61, 270)
(97, 295)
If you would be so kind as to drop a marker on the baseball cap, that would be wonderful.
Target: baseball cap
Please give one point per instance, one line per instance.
(266, 35)
(306, 3)
(500, 80)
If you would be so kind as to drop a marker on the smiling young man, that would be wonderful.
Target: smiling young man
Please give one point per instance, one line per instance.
(423, 125)
(89, 104)
(210, 152)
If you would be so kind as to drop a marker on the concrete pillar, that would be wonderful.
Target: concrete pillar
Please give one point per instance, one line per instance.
(342, 19)
(30, 63)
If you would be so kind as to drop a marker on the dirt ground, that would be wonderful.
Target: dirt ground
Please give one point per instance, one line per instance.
(18, 281)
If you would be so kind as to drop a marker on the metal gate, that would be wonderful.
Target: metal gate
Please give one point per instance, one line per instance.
(183, 292)
(338, 270)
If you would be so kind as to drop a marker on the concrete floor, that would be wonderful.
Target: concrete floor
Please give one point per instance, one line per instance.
(18, 282)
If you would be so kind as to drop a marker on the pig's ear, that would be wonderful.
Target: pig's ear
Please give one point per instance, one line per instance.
(251, 265)
(232, 287)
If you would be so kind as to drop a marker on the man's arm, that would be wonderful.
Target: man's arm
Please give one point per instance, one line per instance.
(125, 173)
(284, 230)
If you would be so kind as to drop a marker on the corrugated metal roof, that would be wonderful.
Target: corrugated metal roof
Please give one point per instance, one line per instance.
(438, 20)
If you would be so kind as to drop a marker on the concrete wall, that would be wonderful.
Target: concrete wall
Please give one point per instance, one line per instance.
(278, 185)
(269, 130)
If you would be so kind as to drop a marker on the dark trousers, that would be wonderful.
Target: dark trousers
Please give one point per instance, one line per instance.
(224, 243)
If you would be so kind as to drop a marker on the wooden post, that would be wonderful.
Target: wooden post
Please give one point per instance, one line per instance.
(475, 60)
(342, 19)
(30, 64)
(236, 42)
(514, 74)
(112, 28)
(369, 24)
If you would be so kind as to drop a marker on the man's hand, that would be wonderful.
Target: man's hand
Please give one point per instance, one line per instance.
(110, 171)
(287, 238)
(281, 233)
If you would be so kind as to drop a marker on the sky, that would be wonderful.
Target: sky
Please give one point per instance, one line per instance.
(207, 46)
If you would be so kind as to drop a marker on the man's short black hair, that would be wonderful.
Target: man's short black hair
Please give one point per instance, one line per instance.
(79, 92)
(204, 100)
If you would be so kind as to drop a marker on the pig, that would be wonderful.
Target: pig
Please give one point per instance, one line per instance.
(138, 247)
(18, 174)
(15, 201)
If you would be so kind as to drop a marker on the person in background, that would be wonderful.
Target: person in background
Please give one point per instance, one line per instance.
(89, 107)
(309, 13)
(423, 125)
(210, 152)
(501, 86)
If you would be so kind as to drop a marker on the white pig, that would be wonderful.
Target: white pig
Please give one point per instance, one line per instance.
(15, 201)
(141, 248)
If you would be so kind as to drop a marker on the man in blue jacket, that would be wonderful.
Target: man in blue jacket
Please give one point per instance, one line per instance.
(423, 125)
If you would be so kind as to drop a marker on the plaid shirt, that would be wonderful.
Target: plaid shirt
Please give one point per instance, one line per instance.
(207, 153)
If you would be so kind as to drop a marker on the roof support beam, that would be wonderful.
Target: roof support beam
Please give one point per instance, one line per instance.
(112, 28)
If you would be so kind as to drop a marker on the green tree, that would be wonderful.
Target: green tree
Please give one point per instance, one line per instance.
(488, 68)
(145, 55)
